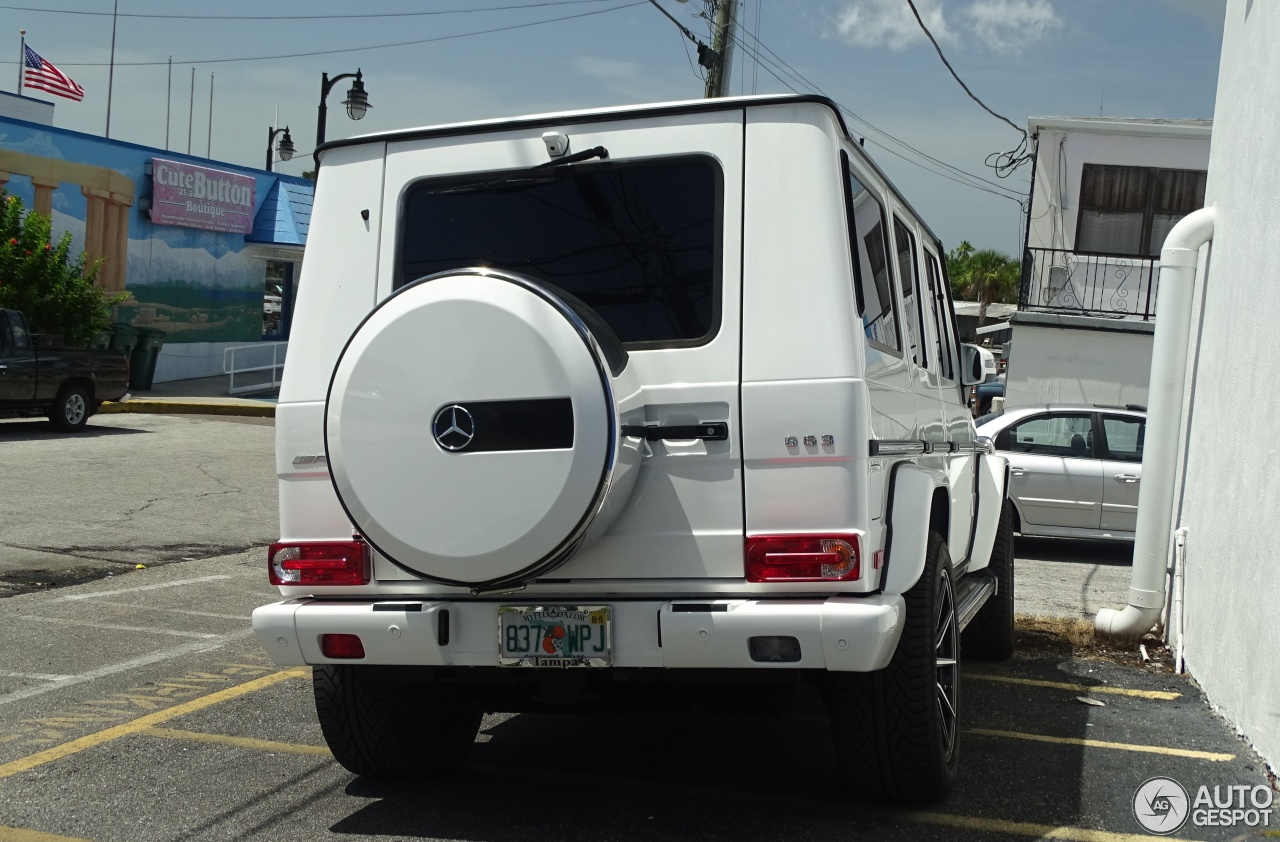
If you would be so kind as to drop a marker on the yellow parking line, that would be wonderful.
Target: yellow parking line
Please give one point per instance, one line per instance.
(1037, 831)
(17, 834)
(1164, 695)
(142, 723)
(1077, 741)
(242, 742)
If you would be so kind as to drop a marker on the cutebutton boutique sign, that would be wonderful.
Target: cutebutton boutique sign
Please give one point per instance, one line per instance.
(192, 196)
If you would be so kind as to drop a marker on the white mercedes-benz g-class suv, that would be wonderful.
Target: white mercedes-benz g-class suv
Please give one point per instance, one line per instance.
(582, 407)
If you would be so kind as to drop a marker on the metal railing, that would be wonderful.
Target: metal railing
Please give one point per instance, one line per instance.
(253, 359)
(1115, 286)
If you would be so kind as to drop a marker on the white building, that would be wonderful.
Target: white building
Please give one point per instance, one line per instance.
(1105, 192)
(1228, 494)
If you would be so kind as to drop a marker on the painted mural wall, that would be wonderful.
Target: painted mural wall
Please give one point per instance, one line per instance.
(196, 285)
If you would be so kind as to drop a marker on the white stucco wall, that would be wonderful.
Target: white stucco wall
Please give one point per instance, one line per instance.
(1231, 483)
(1060, 161)
(1073, 365)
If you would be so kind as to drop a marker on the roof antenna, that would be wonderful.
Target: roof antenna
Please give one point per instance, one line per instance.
(862, 141)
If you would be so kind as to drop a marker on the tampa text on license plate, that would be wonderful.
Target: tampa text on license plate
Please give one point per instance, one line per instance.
(555, 636)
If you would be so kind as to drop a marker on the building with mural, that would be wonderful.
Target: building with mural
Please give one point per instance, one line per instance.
(205, 251)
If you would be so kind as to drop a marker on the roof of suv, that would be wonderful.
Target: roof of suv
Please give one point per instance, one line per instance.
(624, 112)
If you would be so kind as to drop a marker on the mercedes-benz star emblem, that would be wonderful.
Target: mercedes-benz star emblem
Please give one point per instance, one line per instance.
(454, 428)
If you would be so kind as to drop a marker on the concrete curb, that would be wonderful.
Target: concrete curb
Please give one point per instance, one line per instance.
(189, 407)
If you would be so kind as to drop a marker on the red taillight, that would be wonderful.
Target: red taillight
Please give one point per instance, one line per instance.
(319, 563)
(803, 558)
(341, 646)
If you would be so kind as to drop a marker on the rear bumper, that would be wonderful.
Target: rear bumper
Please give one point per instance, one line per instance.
(841, 634)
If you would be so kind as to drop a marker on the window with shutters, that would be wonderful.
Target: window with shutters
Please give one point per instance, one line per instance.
(1130, 210)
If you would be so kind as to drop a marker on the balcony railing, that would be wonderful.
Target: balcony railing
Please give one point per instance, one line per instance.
(1114, 286)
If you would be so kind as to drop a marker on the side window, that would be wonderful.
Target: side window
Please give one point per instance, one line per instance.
(909, 277)
(868, 243)
(21, 341)
(1053, 435)
(942, 316)
(1124, 437)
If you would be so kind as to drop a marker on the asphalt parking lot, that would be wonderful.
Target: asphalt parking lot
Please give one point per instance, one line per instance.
(139, 707)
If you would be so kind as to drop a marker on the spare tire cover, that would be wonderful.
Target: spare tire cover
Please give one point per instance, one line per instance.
(471, 428)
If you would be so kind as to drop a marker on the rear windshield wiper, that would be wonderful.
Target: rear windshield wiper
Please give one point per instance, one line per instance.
(585, 155)
(519, 181)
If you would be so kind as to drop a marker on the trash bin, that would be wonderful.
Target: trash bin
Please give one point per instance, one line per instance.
(123, 337)
(142, 362)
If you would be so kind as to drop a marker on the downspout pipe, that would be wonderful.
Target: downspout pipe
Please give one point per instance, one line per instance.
(1178, 261)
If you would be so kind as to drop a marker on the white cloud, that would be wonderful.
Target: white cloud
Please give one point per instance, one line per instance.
(605, 68)
(1007, 26)
(889, 23)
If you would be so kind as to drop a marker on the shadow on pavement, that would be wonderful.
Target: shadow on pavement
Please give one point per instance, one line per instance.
(39, 430)
(1074, 550)
(541, 776)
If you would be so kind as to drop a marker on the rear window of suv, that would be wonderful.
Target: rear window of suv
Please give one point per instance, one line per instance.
(638, 241)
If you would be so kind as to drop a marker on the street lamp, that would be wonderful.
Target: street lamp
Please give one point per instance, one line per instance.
(285, 148)
(356, 103)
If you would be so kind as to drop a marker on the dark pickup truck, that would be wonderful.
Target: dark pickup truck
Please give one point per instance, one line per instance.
(37, 377)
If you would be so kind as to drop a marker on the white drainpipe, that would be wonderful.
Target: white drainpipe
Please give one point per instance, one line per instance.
(1178, 260)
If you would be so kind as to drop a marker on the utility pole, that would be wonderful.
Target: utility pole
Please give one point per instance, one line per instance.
(722, 41)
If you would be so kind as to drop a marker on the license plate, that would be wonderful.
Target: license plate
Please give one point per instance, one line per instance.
(555, 636)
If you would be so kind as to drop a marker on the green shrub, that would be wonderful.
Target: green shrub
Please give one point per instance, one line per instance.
(54, 290)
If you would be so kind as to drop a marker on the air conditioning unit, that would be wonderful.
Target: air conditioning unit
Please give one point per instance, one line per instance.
(1057, 283)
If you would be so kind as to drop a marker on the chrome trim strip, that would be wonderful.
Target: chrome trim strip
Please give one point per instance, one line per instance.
(888, 447)
(973, 592)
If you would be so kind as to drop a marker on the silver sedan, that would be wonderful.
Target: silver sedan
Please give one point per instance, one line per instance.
(1074, 471)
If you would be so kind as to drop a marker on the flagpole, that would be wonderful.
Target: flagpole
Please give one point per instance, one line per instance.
(208, 144)
(168, 105)
(22, 57)
(111, 74)
(191, 107)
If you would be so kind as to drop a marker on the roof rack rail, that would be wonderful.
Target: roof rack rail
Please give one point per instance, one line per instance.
(1131, 407)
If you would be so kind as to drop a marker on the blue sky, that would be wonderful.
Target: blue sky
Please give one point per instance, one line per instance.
(1139, 58)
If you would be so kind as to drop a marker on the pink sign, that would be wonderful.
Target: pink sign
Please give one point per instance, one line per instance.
(200, 197)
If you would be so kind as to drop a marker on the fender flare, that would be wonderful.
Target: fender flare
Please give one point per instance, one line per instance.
(911, 490)
(993, 484)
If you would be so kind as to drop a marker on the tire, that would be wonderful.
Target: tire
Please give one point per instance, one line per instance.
(71, 409)
(372, 736)
(897, 729)
(989, 636)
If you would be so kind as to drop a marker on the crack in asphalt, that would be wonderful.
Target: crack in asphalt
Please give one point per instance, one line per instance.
(231, 488)
(166, 552)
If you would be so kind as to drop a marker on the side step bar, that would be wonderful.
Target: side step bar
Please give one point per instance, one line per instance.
(972, 592)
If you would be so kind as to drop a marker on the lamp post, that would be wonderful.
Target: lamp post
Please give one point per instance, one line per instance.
(285, 148)
(356, 103)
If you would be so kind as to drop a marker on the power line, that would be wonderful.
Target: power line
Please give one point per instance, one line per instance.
(766, 65)
(364, 48)
(1004, 163)
(956, 76)
(815, 89)
(971, 178)
(302, 17)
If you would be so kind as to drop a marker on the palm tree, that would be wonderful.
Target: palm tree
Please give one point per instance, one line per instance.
(988, 276)
(956, 259)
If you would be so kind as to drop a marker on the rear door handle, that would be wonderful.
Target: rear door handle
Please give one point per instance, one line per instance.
(1126, 478)
(711, 431)
(1019, 472)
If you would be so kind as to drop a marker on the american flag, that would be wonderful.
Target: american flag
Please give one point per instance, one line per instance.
(45, 77)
